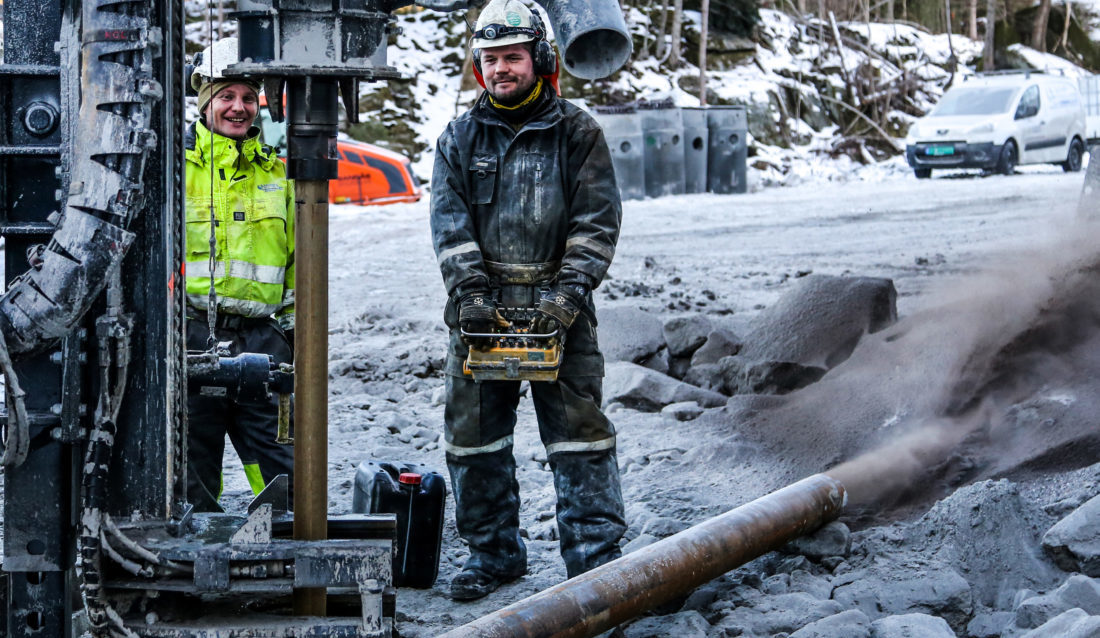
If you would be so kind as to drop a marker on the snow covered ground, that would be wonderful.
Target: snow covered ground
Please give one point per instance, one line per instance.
(957, 236)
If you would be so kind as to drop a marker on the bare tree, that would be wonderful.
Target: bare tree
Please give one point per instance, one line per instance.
(703, 32)
(972, 19)
(677, 23)
(1039, 32)
(1065, 27)
(988, 63)
(661, 51)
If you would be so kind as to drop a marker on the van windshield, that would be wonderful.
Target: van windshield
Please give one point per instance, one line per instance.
(975, 101)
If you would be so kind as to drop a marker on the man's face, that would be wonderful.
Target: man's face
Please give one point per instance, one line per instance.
(232, 111)
(509, 71)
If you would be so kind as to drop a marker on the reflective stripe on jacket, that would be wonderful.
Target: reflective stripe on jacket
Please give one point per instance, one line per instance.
(253, 204)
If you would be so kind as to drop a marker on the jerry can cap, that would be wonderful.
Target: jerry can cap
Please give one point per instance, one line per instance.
(409, 478)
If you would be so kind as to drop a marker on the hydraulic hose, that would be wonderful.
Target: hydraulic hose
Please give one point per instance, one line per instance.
(105, 182)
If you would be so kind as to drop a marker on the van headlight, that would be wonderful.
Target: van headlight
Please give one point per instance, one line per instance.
(984, 128)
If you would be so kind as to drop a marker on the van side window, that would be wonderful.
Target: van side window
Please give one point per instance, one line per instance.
(1029, 103)
(353, 157)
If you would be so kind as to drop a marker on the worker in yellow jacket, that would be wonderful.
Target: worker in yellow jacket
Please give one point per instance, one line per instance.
(240, 235)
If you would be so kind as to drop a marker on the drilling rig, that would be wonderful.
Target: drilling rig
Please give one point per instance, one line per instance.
(98, 536)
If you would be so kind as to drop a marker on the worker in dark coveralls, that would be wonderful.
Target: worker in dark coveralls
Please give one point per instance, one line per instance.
(525, 212)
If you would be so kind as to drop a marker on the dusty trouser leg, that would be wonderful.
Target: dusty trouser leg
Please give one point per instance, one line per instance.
(479, 421)
(580, 443)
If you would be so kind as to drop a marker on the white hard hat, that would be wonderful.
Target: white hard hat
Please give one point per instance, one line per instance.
(505, 22)
(210, 65)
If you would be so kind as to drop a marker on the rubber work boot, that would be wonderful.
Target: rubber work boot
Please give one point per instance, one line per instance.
(473, 583)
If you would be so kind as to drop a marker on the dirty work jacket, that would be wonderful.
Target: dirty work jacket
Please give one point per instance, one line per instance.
(542, 199)
(254, 211)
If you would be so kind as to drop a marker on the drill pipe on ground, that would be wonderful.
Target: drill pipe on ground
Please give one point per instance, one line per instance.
(625, 588)
(311, 376)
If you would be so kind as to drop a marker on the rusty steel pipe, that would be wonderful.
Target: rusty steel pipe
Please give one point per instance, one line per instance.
(623, 589)
(311, 375)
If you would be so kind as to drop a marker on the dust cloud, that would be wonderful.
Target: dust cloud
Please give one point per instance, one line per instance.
(950, 378)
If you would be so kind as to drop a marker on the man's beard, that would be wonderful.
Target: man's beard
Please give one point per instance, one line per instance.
(515, 97)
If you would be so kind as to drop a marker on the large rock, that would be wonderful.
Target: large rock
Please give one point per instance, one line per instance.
(774, 614)
(1074, 623)
(1074, 542)
(847, 624)
(640, 388)
(834, 539)
(812, 328)
(686, 624)
(742, 375)
(1078, 592)
(895, 585)
(628, 334)
(707, 376)
(684, 335)
(720, 343)
(911, 626)
(989, 533)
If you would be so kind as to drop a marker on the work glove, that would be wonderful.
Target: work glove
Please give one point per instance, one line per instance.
(477, 313)
(558, 308)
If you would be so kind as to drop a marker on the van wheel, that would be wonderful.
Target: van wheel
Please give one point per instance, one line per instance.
(922, 173)
(1075, 156)
(1006, 165)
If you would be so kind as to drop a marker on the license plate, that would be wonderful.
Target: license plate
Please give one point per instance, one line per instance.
(940, 150)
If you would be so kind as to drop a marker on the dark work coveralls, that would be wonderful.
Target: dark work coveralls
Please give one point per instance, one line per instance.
(516, 211)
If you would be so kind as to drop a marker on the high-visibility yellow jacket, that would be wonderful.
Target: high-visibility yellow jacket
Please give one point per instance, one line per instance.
(253, 209)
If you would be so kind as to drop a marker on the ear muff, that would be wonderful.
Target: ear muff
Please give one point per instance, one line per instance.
(545, 60)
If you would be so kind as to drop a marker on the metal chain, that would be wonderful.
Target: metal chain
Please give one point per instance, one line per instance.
(212, 262)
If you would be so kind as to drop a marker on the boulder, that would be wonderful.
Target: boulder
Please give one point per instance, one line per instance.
(678, 367)
(684, 335)
(770, 615)
(847, 624)
(911, 626)
(1074, 623)
(628, 334)
(657, 361)
(683, 411)
(820, 320)
(741, 375)
(989, 624)
(899, 584)
(720, 343)
(686, 624)
(816, 586)
(646, 390)
(707, 376)
(988, 533)
(811, 329)
(1078, 592)
(1074, 542)
(834, 539)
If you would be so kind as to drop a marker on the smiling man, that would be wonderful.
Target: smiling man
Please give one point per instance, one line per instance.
(240, 201)
(525, 214)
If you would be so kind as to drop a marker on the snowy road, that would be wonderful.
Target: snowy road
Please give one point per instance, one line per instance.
(741, 246)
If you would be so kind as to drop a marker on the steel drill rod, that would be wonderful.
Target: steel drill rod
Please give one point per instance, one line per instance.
(311, 376)
(623, 589)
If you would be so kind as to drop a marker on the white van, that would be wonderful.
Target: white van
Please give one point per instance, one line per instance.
(997, 121)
